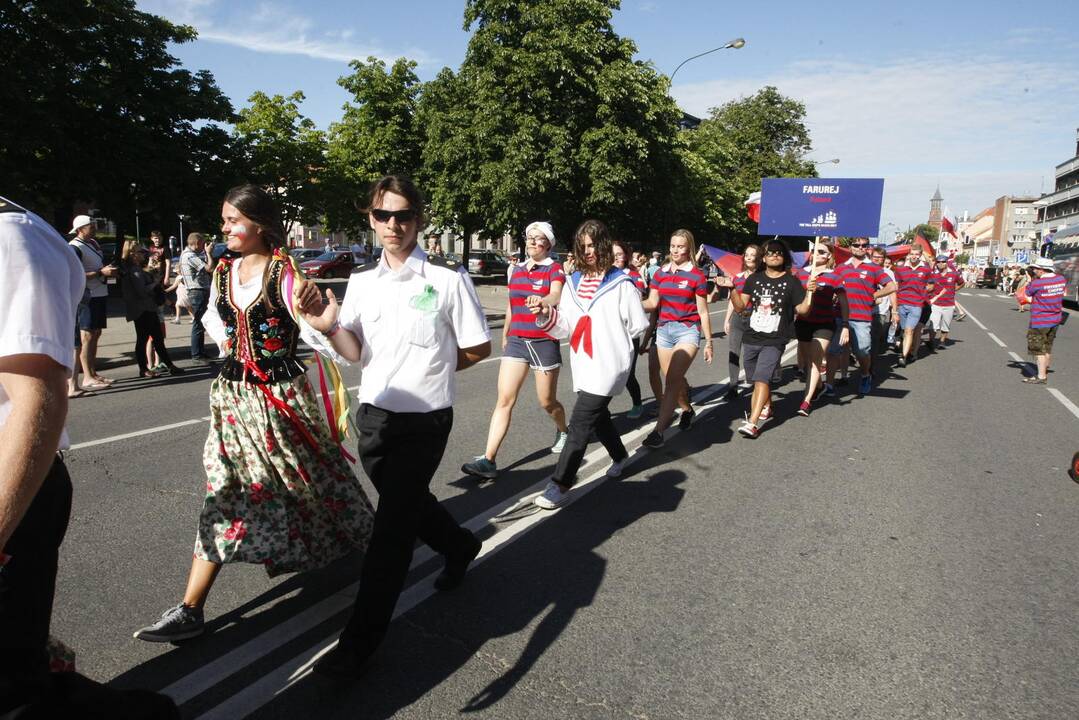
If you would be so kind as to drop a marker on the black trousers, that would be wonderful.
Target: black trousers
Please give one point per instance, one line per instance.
(632, 385)
(400, 452)
(147, 326)
(589, 413)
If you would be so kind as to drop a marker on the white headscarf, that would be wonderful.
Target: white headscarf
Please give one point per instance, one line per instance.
(545, 228)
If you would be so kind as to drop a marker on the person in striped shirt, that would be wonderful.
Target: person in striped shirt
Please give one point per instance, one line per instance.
(827, 310)
(536, 281)
(679, 292)
(1046, 293)
(913, 279)
(864, 283)
(946, 280)
(734, 324)
(633, 387)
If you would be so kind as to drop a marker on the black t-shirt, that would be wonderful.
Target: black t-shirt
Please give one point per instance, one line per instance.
(773, 301)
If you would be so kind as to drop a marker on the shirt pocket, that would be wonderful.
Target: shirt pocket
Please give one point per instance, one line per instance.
(369, 315)
(424, 330)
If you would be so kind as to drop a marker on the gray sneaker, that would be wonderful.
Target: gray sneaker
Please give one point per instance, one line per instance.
(176, 623)
(481, 467)
(559, 441)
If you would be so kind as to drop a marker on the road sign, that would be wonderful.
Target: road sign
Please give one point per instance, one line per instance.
(829, 207)
(999, 261)
(981, 262)
(1022, 257)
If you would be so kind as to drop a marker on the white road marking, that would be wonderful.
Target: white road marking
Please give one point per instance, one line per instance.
(1064, 401)
(137, 433)
(997, 340)
(1015, 356)
(288, 673)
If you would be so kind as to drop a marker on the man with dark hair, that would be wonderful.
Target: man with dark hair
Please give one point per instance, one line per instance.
(775, 296)
(411, 320)
(195, 269)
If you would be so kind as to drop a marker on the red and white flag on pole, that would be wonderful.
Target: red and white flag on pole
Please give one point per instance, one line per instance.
(753, 207)
(946, 225)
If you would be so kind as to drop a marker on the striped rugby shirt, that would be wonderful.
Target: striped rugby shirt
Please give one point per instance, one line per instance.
(1046, 300)
(678, 290)
(824, 308)
(525, 281)
(912, 282)
(860, 282)
(947, 281)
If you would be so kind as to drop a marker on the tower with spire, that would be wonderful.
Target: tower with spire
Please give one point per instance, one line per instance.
(936, 209)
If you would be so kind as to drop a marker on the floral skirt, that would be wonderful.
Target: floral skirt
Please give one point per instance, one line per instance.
(270, 497)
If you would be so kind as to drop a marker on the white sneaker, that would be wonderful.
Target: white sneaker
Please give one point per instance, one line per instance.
(559, 441)
(552, 497)
(766, 415)
(615, 470)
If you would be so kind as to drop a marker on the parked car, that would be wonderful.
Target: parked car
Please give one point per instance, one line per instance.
(305, 254)
(990, 277)
(330, 264)
(487, 263)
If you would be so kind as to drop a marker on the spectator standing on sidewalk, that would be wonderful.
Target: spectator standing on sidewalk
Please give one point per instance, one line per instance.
(93, 314)
(194, 268)
(1046, 293)
(142, 290)
(412, 321)
(41, 284)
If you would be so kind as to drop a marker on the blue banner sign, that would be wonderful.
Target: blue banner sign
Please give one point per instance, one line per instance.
(830, 207)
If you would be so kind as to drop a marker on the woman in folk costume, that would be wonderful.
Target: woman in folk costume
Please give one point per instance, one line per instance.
(600, 312)
(279, 490)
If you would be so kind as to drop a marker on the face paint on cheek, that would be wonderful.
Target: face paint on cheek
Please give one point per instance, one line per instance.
(238, 231)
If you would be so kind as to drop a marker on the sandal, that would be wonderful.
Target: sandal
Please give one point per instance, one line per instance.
(103, 380)
(80, 393)
(94, 385)
(1035, 381)
(147, 374)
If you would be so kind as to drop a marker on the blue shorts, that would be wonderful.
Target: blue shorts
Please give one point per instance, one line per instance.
(539, 353)
(92, 315)
(675, 333)
(909, 316)
(861, 337)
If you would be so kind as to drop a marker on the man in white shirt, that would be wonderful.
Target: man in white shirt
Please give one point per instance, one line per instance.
(41, 285)
(92, 313)
(411, 320)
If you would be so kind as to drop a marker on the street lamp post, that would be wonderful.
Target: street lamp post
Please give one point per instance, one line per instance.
(181, 238)
(833, 161)
(732, 45)
(135, 193)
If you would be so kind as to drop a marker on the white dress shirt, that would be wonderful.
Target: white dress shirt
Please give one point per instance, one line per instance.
(41, 283)
(411, 323)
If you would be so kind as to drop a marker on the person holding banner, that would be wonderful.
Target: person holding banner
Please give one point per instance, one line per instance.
(828, 311)
(734, 324)
(775, 296)
(679, 292)
(864, 284)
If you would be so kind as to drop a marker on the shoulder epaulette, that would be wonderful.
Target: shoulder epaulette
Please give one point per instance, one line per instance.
(440, 261)
(6, 206)
(365, 267)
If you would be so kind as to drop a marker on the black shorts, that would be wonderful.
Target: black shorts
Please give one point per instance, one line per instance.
(924, 319)
(807, 331)
(93, 315)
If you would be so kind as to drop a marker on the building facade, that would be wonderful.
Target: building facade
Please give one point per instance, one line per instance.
(1059, 210)
(1015, 225)
(936, 209)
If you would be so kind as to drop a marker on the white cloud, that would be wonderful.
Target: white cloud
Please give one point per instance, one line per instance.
(270, 28)
(980, 126)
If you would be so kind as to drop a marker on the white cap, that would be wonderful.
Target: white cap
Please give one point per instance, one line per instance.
(545, 228)
(80, 221)
(1043, 263)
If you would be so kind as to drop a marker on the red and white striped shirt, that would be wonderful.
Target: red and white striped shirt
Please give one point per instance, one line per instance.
(589, 284)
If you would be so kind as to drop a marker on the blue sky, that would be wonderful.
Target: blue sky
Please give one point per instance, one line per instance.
(980, 97)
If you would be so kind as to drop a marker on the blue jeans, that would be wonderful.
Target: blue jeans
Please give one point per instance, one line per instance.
(199, 299)
(909, 316)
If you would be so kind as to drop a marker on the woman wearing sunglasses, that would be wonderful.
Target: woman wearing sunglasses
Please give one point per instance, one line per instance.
(828, 306)
(536, 281)
(679, 292)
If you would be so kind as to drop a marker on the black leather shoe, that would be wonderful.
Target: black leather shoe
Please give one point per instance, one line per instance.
(456, 567)
(341, 663)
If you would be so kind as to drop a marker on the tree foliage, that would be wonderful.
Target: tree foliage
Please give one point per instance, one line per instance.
(926, 230)
(549, 117)
(93, 102)
(285, 153)
(377, 135)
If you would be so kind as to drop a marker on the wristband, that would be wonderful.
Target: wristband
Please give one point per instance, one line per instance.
(333, 328)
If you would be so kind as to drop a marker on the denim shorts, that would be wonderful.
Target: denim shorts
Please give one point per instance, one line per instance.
(675, 333)
(92, 315)
(909, 316)
(539, 353)
(861, 337)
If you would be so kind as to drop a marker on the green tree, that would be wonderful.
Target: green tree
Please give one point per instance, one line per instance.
(285, 153)
(93, 103)
(549, 117)
(926, 230)
(377, 135)
(740, 143)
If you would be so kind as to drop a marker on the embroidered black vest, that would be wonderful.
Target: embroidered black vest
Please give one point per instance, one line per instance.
(258, 336)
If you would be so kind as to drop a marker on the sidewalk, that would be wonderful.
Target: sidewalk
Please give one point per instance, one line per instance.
(116, 348)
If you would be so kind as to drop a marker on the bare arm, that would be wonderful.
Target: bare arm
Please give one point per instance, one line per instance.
(37, 386)
(467, 357)
(506, 325)
(706, 327)
(885, 291)
(652, 302)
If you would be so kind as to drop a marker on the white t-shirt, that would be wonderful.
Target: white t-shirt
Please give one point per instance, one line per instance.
(92, 261)
(41, 283)
(411, 323)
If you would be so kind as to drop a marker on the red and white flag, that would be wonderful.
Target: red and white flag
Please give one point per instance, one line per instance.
(946, 225)
(753, 207)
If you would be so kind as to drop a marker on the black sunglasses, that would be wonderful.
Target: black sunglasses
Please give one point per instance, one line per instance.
(859, 244)
(402, 216)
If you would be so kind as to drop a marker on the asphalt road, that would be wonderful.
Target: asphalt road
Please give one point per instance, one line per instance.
(909, 554)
